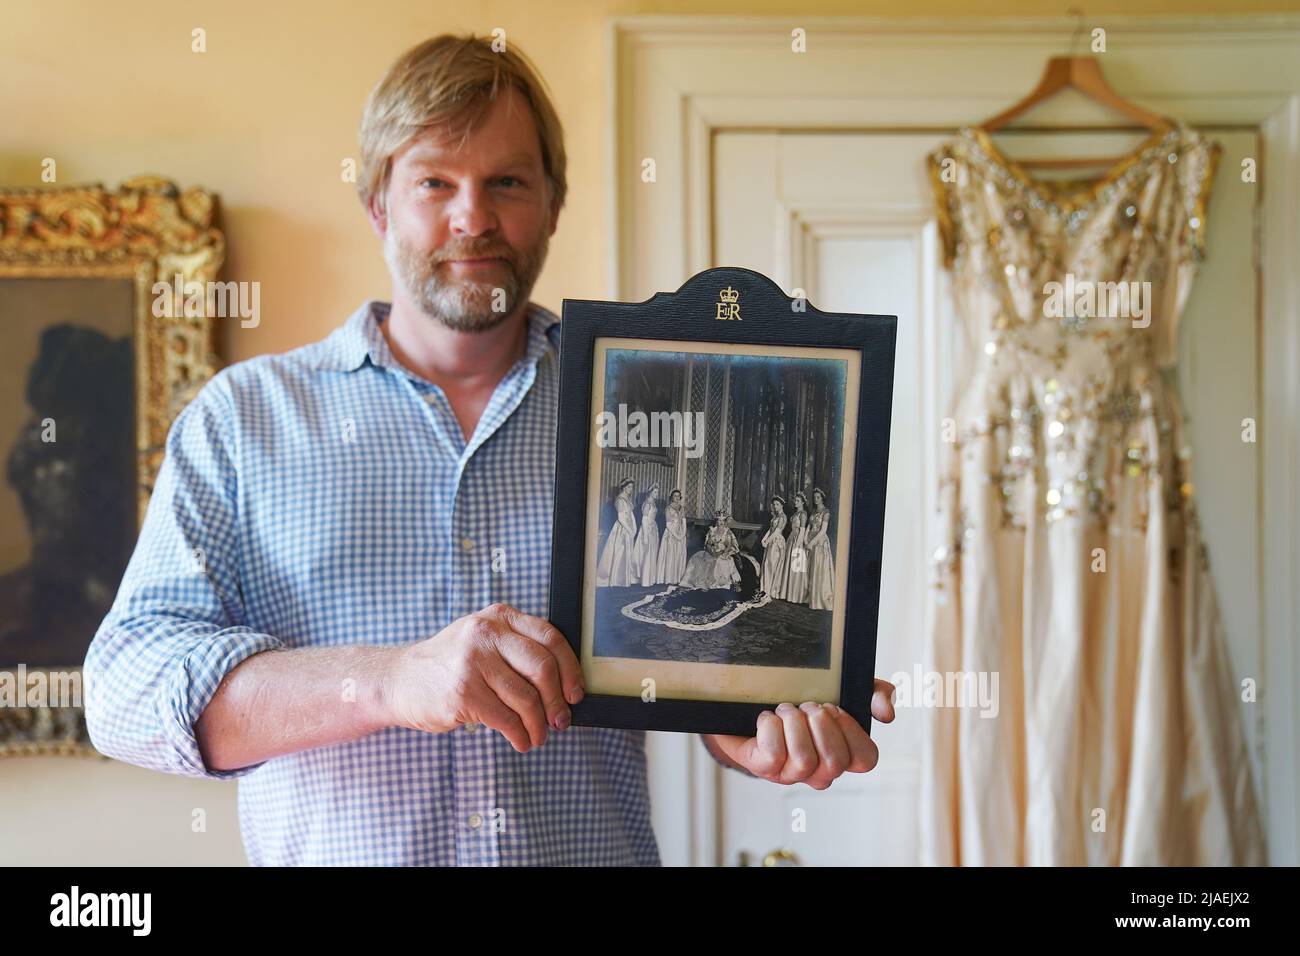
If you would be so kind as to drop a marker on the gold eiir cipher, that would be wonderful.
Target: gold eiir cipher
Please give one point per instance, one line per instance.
(728, 305)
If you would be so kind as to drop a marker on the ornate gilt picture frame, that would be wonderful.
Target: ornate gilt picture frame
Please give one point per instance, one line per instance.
(81, 334)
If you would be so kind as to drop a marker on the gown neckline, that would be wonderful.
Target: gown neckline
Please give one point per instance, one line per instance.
(1090, 189)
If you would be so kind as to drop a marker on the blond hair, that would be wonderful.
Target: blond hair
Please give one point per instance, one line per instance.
(451, 81)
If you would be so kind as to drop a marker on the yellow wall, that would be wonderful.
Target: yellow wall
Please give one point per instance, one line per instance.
(264, 118)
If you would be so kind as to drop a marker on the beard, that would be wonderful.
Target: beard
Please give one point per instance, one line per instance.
(465, 304)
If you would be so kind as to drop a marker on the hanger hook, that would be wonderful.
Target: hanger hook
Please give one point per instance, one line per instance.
(1079, 27)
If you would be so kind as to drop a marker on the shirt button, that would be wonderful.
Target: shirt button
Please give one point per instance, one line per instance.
(467, 544)
(470, 727)
(475, 821)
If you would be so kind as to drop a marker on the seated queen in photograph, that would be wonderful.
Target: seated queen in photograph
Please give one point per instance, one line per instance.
(721, 582)
(713, 566)
(615, 566)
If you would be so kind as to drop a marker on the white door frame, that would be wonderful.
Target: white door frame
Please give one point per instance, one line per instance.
(674, 82)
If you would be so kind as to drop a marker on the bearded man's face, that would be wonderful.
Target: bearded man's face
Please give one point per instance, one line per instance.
(467, 225)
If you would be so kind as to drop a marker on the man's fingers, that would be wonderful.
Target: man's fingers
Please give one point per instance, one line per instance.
(548, 635)
(764, 754)
(801, 754)
(832, 749)
(770, 749)
(517, 693)
(882, 701)
(537, 664)
(492, 712)
(812, 744)
(863, 749)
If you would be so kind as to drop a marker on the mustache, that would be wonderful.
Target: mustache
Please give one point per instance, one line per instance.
(472, 251)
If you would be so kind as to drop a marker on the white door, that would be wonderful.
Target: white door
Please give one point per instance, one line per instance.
(847, 218)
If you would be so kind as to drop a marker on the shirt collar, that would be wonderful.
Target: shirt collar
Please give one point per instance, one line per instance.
(359, 338)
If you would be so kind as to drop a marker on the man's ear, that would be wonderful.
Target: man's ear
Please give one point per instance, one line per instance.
(555, 213)
(377, 213)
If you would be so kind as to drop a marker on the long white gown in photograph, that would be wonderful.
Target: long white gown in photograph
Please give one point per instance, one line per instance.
(774, 563)
(796, 575)
(645, 549)
(672, 547)
(821, 567)
(615, 566)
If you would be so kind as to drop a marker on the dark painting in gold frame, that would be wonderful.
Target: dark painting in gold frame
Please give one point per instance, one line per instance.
(91, 382)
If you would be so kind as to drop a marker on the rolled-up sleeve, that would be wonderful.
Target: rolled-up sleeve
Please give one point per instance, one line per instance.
(177, 626)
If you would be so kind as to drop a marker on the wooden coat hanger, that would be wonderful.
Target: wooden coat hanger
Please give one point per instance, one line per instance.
(1081, 73)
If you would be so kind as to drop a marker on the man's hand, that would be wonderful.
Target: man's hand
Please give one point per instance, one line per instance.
(499, 667)
(812, 743)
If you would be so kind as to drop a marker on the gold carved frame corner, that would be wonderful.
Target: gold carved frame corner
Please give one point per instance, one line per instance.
(147, 230)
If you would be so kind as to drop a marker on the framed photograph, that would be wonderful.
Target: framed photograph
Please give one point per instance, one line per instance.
(720, 503)
(91, 377)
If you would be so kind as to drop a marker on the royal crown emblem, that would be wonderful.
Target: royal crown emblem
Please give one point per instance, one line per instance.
(728, 306)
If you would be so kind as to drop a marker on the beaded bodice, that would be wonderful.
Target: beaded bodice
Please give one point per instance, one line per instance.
(1071, 292)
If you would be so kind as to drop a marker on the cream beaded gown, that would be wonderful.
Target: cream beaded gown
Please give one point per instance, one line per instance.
(1070, 561)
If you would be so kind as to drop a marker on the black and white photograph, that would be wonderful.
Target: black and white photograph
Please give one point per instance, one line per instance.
(720, 476)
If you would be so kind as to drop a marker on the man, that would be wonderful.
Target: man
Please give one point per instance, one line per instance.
(343, 572)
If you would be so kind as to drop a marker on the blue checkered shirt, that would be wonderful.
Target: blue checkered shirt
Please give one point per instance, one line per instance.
(324, 497)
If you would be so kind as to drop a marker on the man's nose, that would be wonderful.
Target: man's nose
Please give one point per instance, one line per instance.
(472, 211)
